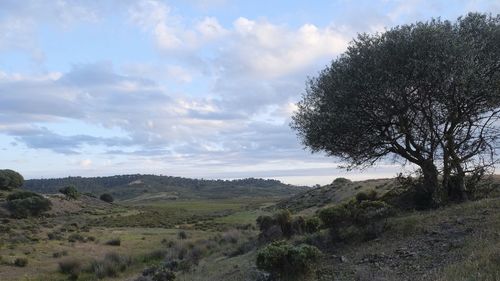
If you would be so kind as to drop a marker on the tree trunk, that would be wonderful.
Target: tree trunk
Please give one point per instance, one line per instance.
(456, 186)
(426, 196)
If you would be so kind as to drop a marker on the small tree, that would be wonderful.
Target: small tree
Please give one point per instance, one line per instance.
(106, 197)
(70, 191)
(10, 179)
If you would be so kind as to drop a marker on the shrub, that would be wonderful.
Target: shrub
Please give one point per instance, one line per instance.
(23, 204)
(55, 235)
(106, 197)
(110, 266)
(182, 235)
(284, 218)
(76, 237)
(363, 217)
(114, 242)
(163, 274)
(72, 267)
(21, 262)
(335, 216)
(287, 262)
(265, 222)
(298, 225)
(341, 181)
(366, 195)
(60, 254)
(231, 236)
(10, 179)
(159, 273)
(312, 224)
(70, 191)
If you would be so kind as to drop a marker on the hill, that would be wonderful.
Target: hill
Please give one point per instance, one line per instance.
(339, 190)
(152, 187)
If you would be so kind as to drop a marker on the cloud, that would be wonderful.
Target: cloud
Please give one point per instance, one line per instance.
(168, 29)
(86, 163)
(43, 138)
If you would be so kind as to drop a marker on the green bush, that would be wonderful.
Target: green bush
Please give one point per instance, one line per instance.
(298, 225)
(22, 195)
(364, 217)
(335, 216)
(72, 267)
(10, 179)
(23, 204)
(106, 197)
(182, 235)
(366, 195)
(70, 191)
(110, 266)
(287, 262)
(265, 222)
(312, 224)
(76, 237)
(21, 262)
(114, 242)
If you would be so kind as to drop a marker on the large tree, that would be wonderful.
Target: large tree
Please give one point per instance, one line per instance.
(427, 93)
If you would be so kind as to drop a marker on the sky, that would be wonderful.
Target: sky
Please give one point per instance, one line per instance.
(193, 88)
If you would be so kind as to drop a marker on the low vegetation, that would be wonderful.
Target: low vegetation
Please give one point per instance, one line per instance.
(23, 204)
(286, 262)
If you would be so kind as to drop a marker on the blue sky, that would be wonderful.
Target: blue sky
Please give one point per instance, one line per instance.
(198, 88)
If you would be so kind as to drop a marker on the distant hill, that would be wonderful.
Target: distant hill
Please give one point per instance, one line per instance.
(152, 187)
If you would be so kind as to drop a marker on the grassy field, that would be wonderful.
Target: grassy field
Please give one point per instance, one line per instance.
(83, 233)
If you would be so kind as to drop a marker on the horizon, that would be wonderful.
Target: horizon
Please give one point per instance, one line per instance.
(195, 89)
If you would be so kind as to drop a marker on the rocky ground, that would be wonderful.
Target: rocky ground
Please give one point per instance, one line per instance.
(419, 246)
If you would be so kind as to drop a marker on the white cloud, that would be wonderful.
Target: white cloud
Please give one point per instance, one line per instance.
(86, 163)
(168, 30)
(267, 50)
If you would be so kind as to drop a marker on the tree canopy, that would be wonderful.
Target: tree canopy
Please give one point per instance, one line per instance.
(10, 179)
(427, 93)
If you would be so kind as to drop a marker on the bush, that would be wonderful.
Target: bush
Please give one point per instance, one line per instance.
(23, 204)
(70, 191)
(114, 242)
(298, 225)
(182, 235)
(76, 237)
(10, 179)
(72, 267)
(366, 195)
(312, 224)
(110, 266)
(21, 262)
(159, 273)
(106, 197)
(341, 181)
(336, 216)
(265, 222)
(362, 217)
(287, 262)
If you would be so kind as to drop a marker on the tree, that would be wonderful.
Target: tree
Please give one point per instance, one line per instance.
(70, 191)
(106, 197)
(427, 93)
(10, 179)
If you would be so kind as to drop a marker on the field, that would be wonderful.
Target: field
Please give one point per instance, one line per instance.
(83, 234)
(218, 239)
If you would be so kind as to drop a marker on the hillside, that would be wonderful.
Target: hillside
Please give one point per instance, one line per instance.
(339, 190)
(151, 187)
